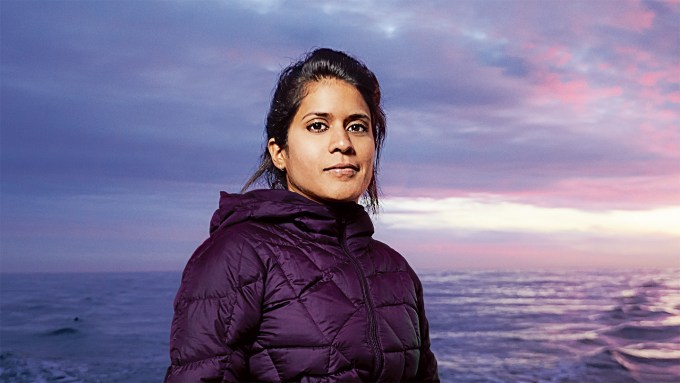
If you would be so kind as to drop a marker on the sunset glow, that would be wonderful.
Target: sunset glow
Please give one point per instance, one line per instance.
(520, 133)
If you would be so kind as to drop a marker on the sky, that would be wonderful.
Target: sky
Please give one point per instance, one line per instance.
(521, 134)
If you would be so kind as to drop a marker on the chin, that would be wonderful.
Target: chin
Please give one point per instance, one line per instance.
(346, 198)
(330, 192)
(341, 196)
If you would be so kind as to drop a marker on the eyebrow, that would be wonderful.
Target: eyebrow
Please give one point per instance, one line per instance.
(354, 116)
(317, 114)
(359, 116)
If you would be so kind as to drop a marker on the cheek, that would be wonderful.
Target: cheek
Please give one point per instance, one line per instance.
(369, 163)
(369, 153)
(301, 160)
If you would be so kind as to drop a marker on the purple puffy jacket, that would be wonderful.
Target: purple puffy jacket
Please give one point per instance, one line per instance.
(288, 290)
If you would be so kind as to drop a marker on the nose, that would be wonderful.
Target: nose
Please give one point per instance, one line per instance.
(340, 141)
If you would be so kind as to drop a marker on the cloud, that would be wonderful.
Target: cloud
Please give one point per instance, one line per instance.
(489, 232)
(492, 214)
(565, 105)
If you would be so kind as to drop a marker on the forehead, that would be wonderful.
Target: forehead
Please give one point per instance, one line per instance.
(333, 95)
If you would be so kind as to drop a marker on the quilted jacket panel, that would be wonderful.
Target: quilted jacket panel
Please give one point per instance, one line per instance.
(289, 290)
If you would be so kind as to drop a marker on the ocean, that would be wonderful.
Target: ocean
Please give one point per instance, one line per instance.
(505, 326)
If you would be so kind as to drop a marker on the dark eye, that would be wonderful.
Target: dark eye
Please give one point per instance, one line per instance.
(317, 127)
(357, 128)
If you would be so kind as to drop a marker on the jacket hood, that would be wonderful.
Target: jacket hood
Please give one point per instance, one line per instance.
(282, 206)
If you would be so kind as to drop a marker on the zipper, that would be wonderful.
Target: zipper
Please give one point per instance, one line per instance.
(373, 338)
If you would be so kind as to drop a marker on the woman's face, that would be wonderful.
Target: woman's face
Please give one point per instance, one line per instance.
(330, 152)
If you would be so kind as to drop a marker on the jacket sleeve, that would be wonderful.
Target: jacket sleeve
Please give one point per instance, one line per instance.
(217, 312)
(427, 366)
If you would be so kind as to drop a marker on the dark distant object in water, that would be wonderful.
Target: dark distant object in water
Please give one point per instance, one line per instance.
(76, 319)
(62, 331)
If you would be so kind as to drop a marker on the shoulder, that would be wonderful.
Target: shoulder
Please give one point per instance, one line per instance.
(228, 259)
(388, 259)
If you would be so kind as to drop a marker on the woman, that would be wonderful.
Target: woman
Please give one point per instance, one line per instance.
(290, 286)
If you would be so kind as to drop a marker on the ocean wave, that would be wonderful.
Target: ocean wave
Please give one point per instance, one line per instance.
(16, 368)
(636, 311)
(62, 331)
(621, 363)
(641, 332)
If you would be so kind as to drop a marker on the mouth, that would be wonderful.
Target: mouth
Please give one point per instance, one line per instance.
(343, 169)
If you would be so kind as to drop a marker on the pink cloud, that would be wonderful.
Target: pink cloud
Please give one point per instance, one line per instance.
(589, 193)
(662, 139)
(577, 92)
(632, 18)
(641, 192)
(587, 251)
(674, 97)
(651, 78)
(644, 70)
(554, 55)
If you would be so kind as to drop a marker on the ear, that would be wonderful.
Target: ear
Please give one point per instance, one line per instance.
(277, 153)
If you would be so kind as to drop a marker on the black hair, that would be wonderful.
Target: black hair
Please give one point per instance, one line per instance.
(291, 88)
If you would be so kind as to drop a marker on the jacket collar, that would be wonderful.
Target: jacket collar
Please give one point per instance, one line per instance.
(283, 206)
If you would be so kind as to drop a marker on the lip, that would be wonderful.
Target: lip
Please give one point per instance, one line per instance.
(343, 170)
(343, 166)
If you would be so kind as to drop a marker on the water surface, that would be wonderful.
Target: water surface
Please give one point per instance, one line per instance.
(575, 326)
